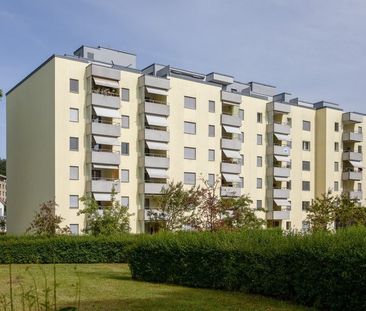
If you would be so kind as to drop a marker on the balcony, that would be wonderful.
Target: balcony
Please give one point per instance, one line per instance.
(351, 117)
(103, 185)
(105, 101)
(230, 120)
(281, 150)
(352, 175)
(352, 137)
(104, 157)
(278, 215)
(233, 168)
(281, 172)
(105, 129)
(151, 188)
(219, 78)
(234, 144)
(280, 128)
(102, 71)
(279, 107)
(351, 156)
(281, 193)
(154, 82)
(355, 195)
(230, 192)
(154, 161)
(155, 107)
(230, 97)
(154, 135)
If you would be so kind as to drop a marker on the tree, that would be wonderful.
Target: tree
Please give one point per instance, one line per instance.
(175, 206)
(112, 219)
(321, 212)
(3, 167)
(46, 222)
(348, 212)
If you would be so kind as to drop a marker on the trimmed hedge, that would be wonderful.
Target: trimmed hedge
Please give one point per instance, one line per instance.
(326, 271)
(65, 249)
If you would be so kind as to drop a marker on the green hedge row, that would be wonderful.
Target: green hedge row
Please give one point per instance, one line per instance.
(326, 271)
(65, 249)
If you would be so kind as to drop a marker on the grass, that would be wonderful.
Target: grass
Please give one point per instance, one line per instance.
(110, 287)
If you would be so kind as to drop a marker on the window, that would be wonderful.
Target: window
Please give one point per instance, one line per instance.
(306, 145)
(125, 122)
(74, 143)
(190, 153)
(125, 201)
(288, 185)
(259, 204)
(305, 205)
(359, 129)
(190, 128)
(242, 159)
(74, 228)
(211, 154)
(125, 148)
(306, 125)
(211, 106)
(125, 175)
(289, 122)
(189, 102)
(259, 117)
(74, 115)
(259, 139)
(336, 146)
(336, 166)
(90, 55)
(288, 225)
(241, 114)
(74, 201)
(305, 225)
(306, 186)
(189, 178)
(242, 137)
(74, 86)
(259, 161)
(74, 172)
(336, 186)
(359, 149)
(125, 95)
(241, 182)
(211, 131)
(359, 186)
(336, 127)
(211, 179)
(306, 165)
(259, 183)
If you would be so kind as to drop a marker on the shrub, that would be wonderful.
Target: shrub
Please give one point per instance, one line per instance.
(64, 249)
(326, 271)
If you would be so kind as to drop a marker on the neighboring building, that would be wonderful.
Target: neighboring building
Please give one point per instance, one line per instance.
(2, 188)
(91, 121)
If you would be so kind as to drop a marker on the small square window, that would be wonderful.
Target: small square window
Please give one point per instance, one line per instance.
(306, 145)
(259, 161)
(125, 95)
(336, 146)
(359, 149)
(211, 131)
(125, 201)
(74, 115)
(211, 106)
(259, 183)
(74, 172)
(74, 143)
(211, 154)
(189, 178)
(189, 102)
(336, 186)
(306, 185)
(125, 148)
(336, 166)
(74, 201)
(74, 86)
(90, 55)
(288, 225)
(125, 176)
(336, 127)
(359, 186)
(259, 117)
(190, 153)
(305, 205)
(241, 114)
(306, 125)
(125, 122)
(211, 179)
(359, 129)
(259, 204)
(74, 229)
(259, 139)
(189, 128)
(306, 165)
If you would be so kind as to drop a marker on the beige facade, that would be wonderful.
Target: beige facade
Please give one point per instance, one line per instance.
(80, 125)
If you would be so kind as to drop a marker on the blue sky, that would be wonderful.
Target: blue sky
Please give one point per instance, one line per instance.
(314, 49)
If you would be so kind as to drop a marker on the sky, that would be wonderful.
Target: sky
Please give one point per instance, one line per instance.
(314, 49)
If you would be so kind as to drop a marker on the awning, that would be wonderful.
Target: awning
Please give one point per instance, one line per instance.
(282, 202)
(232, 154)
(102, 196)
(106, 112)
(232, 129)
(156, 120)
(103, 140)
(106, 82)
(277, 178)
(356, 164)
(283, 137)
(157, 173)
(231, 178)
(282, 158)
(153, 90)
(106, 167)
(156, 146)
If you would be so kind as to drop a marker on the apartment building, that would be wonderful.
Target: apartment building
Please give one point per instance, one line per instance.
(92, 121)
(2, 194)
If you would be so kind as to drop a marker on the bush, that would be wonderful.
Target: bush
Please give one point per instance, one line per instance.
(64, 249)
(326, 271)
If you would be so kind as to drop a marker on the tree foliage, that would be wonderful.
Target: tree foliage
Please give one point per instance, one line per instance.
(112, 219)
(46, 222)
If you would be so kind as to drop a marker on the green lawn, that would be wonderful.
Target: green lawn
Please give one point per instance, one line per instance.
(110, 287)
